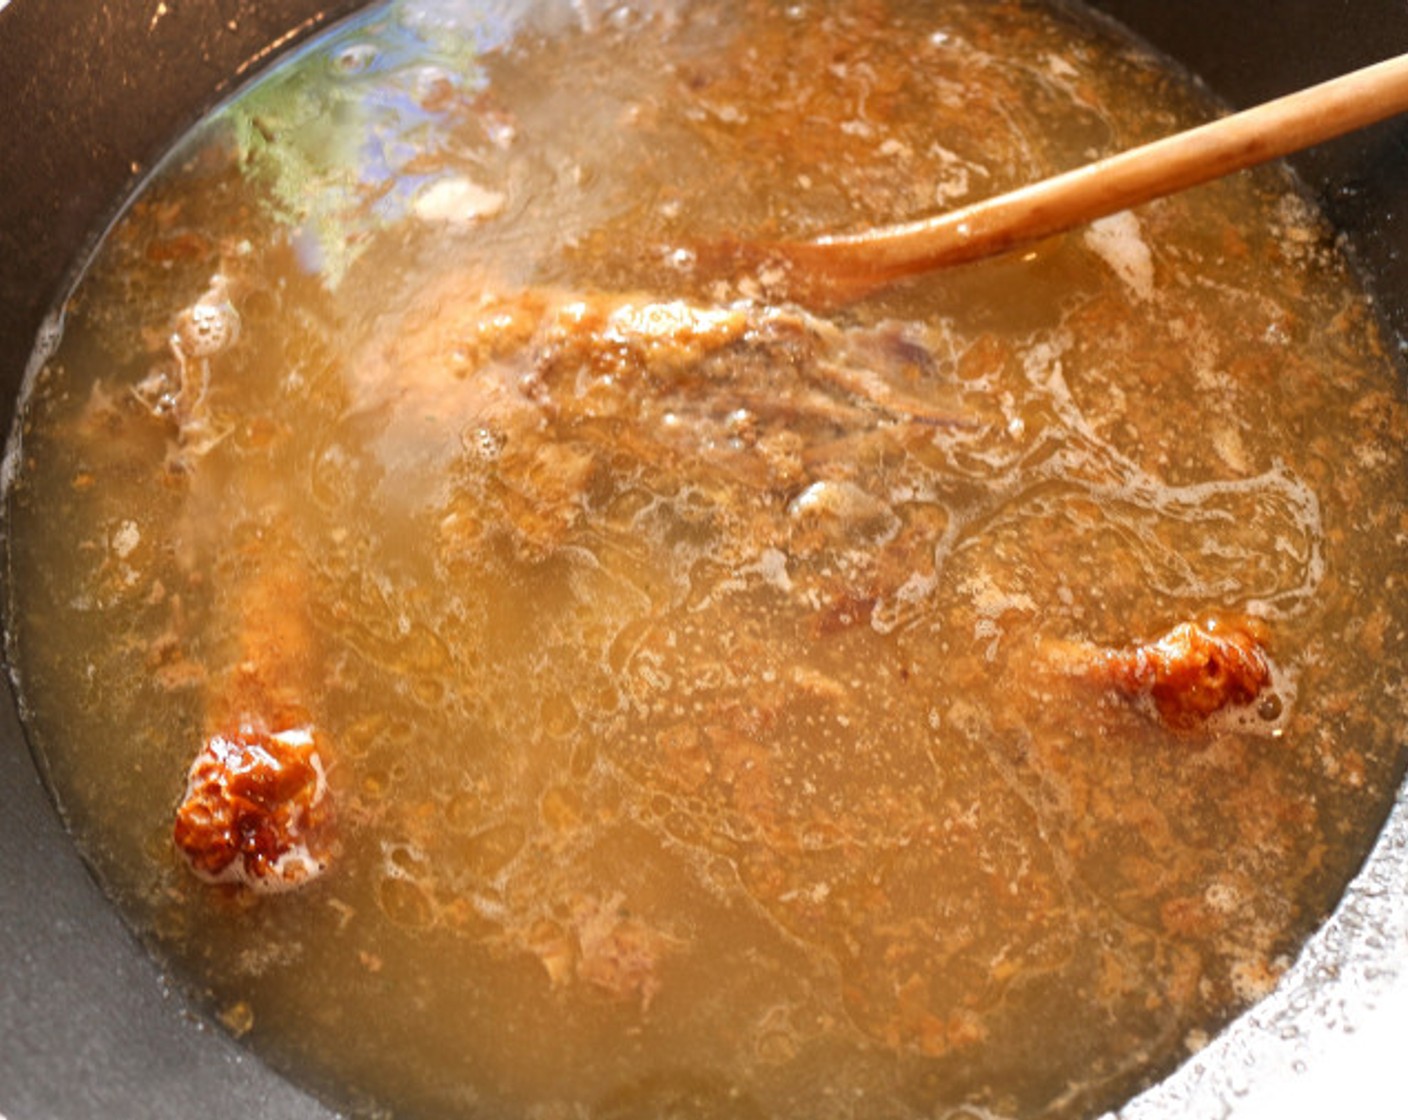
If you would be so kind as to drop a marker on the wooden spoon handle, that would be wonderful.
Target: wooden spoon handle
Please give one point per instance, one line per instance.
(1108, 186)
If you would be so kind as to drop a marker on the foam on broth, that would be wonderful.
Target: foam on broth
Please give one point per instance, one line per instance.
(695, 708)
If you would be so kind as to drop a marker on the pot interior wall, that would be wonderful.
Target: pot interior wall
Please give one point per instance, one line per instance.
(93, 93)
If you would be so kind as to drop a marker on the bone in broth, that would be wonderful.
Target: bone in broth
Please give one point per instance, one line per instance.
(510, 660)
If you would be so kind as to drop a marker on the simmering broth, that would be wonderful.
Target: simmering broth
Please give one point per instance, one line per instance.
(720, 707)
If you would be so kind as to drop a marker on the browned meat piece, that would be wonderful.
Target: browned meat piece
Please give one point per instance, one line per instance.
(551, 392)
(1192, 672)
(619, 953)
(603, 945)
(256, 810)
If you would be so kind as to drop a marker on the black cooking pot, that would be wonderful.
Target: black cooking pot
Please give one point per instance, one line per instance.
(91, 93)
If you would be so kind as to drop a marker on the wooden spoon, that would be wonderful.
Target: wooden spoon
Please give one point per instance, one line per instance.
(846, 266)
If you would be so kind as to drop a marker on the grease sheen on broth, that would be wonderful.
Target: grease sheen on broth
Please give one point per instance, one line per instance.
(695, 672)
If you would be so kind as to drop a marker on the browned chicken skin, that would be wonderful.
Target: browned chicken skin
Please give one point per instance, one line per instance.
(256, 810)
(1189, 674)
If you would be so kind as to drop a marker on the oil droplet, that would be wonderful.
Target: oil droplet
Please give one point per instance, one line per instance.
(237, 1018)
(355, 59)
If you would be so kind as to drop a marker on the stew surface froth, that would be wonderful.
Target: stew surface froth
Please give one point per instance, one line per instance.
(511, 665)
